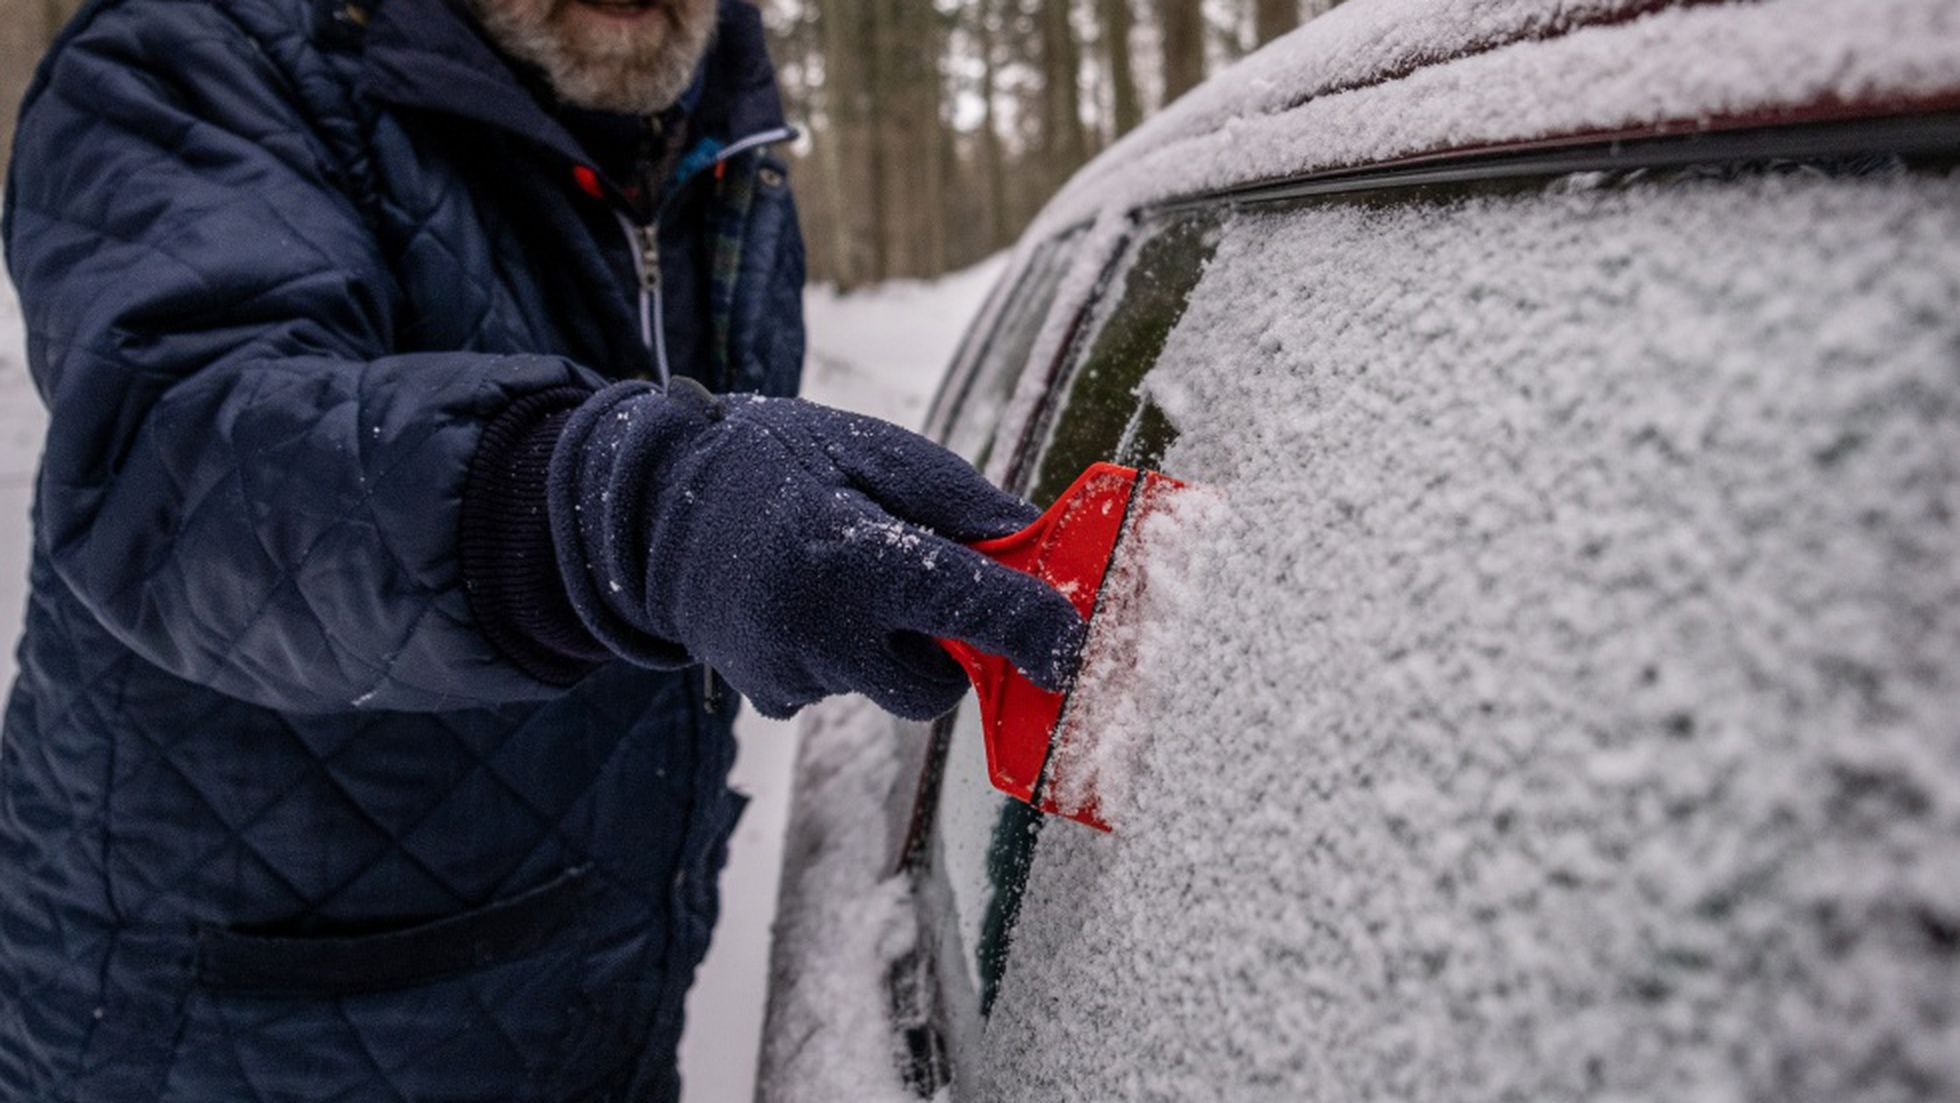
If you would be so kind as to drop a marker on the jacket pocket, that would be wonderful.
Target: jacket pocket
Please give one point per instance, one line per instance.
(233, 960)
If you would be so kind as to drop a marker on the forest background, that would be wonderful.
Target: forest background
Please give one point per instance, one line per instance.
(933, 130)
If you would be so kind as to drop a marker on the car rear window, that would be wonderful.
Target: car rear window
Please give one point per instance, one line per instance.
(1585, 549)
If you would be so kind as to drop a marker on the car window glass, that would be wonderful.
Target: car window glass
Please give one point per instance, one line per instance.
(1145, 438)
(1098, 411)
(1541, 353)
(984, 391)
(983, 845)
(983, 841)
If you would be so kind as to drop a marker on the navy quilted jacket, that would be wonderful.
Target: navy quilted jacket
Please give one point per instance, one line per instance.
(280, 816)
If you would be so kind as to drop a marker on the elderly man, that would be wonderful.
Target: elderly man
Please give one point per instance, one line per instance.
(410, 497)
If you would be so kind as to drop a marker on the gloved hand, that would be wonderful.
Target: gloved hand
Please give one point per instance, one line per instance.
(799, 550)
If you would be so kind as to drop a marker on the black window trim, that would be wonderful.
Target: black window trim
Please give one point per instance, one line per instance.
(1799, 136)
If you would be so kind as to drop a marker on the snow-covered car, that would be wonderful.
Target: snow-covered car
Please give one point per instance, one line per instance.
(1550, 686)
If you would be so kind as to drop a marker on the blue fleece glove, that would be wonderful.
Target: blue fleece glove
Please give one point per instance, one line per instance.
(799, 550)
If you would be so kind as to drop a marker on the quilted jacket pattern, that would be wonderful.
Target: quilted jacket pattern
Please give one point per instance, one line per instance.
(277, 821)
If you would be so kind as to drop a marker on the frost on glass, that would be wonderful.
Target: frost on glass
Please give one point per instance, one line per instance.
(1560, 704)
(983, 842)
(1097, 410)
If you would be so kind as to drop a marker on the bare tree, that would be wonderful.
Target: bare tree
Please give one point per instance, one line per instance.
(993, 158)
(847, 40)
(1272, 18)
(1126, 110)
(24, 36)
(1063, 143)
(927, 136)
(938, 128)
(1181, 30)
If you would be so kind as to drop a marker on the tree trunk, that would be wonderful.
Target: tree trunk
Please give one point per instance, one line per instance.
(1063, 143)
(993, 159)
(1019, 39)
(1182, 31)
(54, 15)
(881, 197)
(1272, 18)
(1126, 110)
(928, 136)
(852, 157)
(906, 196)
(24, 36)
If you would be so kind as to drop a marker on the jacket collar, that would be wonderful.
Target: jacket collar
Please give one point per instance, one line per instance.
(431, 55)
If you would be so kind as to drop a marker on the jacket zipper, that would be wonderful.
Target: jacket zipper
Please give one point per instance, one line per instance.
(643, 241)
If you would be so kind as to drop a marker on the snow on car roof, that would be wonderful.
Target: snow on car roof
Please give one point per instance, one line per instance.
(1377, 80)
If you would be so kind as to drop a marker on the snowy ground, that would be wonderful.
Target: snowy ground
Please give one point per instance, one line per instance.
(880, 352)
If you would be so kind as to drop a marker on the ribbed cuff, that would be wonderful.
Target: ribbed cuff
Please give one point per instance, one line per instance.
(510, 571)
(606, 469)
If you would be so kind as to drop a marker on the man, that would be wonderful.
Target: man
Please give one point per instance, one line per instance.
(392, 552)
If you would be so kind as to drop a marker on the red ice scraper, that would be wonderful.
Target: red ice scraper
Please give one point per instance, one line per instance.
(1071, 547)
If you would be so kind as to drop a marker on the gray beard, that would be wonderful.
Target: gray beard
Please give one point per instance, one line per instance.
(631, 72)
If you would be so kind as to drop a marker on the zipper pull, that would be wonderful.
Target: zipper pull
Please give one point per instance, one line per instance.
(649, 236)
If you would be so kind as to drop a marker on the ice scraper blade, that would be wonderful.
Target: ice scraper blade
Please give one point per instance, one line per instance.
(1071, 547)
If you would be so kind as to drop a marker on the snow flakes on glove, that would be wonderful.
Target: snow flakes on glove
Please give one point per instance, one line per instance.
(799, 550)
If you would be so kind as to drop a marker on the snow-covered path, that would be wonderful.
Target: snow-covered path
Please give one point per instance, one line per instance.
(880, 352)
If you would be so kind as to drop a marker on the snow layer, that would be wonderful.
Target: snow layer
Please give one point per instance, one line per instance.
(723, 1035)
(1553, 695)
(1333, 94)
(845, 917)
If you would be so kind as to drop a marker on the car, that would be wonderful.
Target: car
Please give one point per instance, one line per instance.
(1546, 686)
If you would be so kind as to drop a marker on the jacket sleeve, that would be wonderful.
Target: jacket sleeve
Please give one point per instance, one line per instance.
(240, 482)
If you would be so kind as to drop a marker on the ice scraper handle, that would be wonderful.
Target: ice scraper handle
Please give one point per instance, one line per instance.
(1071, 548)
